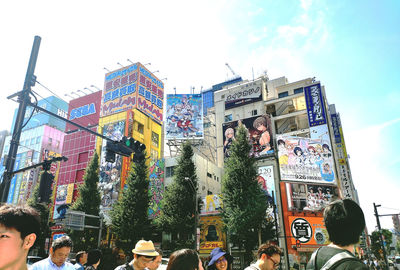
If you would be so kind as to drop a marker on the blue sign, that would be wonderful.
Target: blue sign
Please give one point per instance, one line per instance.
(85, 110)
(13, 180)
(335, 126)
(315, 105)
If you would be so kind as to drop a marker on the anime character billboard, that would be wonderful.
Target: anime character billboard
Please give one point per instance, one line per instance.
(307, 197)
(184, 118)
(156, 186)
(212, 204)
(212, 233)
(259, 128)
(110, 173)
(305, 160)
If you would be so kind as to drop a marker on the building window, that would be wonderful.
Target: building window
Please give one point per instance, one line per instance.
(32, 141)
(83, 157)
(209, 192)
(298, 90)
(153, 154)
(37, 140)
(154, 139)
(140, 128)
(228, 118)
(207, 125)
(169, 171)
(209, 175)
(50, 141)
(283, 94)
(254, 112)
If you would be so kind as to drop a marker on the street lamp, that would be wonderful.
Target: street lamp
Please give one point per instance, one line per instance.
(94, 86)
(192, 185)
(91, 91)
(155, 71)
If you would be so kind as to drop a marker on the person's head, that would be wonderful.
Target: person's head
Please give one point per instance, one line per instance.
(19, 227)
(219, 259)
(261, 123)
(325, 148)
(60, 249)
(184, 259)
(81, 257)
(143, 253)
(229, 133)
(269, 257)
(344, 221)
(154, 264)
(297, 151)
(93, 257)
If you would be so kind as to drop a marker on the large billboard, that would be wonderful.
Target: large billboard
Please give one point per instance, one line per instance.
(259, 128)
(308, 231)
(309, 197)
(244, 94)
(110, 173)
(133, 87)
(305, 160)
(156, 186)
(212, 233)
(266, 180)
(184, 117)
(212, 204)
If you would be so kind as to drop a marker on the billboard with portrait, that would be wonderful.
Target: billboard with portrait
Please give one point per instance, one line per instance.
(212, 204)
(266, 180)
(184, 117)
(305, 160)
(310, 197)
(260, 134)
(212, 233)
(110, 173)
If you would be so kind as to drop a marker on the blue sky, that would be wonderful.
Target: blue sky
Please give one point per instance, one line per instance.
(352, 47)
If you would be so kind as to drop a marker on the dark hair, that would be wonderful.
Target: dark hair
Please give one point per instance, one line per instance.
(94, 256)
(79, 255)
(268, 249)
(281, 142)
(183, 259)
(63, 241)
(344, 221)
(24, 219)
(296, 149)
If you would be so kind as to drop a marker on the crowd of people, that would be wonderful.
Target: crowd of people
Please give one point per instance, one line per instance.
(20, 226)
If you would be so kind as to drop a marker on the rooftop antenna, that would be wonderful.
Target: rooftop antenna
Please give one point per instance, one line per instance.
(118, 63)
(106, 69)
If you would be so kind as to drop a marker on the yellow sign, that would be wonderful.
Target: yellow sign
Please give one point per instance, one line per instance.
(70, 193)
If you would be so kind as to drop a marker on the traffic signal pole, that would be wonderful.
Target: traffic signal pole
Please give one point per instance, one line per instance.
(23, 98)
(380, 235)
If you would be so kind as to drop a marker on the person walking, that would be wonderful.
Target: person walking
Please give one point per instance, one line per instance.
(19, 228)
(143, 253)
(184, 259)
(59, 252)
(268, 258)
(80, 260)
(220, 260)
(344, 221)
(93, 259)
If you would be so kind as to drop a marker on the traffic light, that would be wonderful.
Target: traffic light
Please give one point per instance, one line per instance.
(125, 147)
(111, 149)
(139, 151)
(46, 180)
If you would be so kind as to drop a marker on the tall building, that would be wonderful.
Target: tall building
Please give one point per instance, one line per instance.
(42, 137)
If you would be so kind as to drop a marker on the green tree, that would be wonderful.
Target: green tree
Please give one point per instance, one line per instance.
(177, 216)
(44, 211)
(130, 221)
(245, 204)
(376, 243)
(88, 201)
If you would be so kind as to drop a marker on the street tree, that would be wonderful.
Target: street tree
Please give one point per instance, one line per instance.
(130, 220)
(245, 204)
(178, 212)
(376, 246)
(88, 201)
(43, 210)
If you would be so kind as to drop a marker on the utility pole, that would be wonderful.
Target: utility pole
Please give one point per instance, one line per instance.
(23, 98)
(380, 235)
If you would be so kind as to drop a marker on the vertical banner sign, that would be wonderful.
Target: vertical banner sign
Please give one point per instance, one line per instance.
(266, 180)
(14, 179)
(315, 105)
(335, 126)
(184, 116)
(156, 186)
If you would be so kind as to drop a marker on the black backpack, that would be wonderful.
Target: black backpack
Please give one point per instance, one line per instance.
(333, 262)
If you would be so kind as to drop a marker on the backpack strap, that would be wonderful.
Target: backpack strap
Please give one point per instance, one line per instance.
(337, 259)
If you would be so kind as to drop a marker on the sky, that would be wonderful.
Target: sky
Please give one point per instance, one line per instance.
(352, 47)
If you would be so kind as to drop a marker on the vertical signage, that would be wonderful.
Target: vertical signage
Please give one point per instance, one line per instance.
(315, 105)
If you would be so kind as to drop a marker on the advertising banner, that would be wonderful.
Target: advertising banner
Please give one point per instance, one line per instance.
(14, 179)
(315, 105)
(184, 117)
(61, 196)
(211, 233)
(120, 90)
(260, 133)
(266, 180)
(212, 204)
(110, 173)
(244, 94)
(305, 160)
(156, 186)
(335, 126)
(308, 230)
(307, 197)
(150, 96)
(59, 211)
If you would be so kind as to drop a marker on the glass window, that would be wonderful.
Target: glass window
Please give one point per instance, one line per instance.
(33, 141)
(153, 154)
(50, 141)
(283, 94)
(140, 128)
(228, 118)
(38, 140)
(169, 171)
(154, 139)
(298, 90)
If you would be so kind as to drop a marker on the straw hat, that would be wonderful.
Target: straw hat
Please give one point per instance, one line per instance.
(145, 248)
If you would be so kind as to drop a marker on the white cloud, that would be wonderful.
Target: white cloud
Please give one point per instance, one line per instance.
(306, 4)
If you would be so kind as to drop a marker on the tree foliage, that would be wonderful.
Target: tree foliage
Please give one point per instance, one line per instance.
(245, 204)
(178, 204)
(88, 201)
(130, 221)
(44, 212)
(376, 243)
